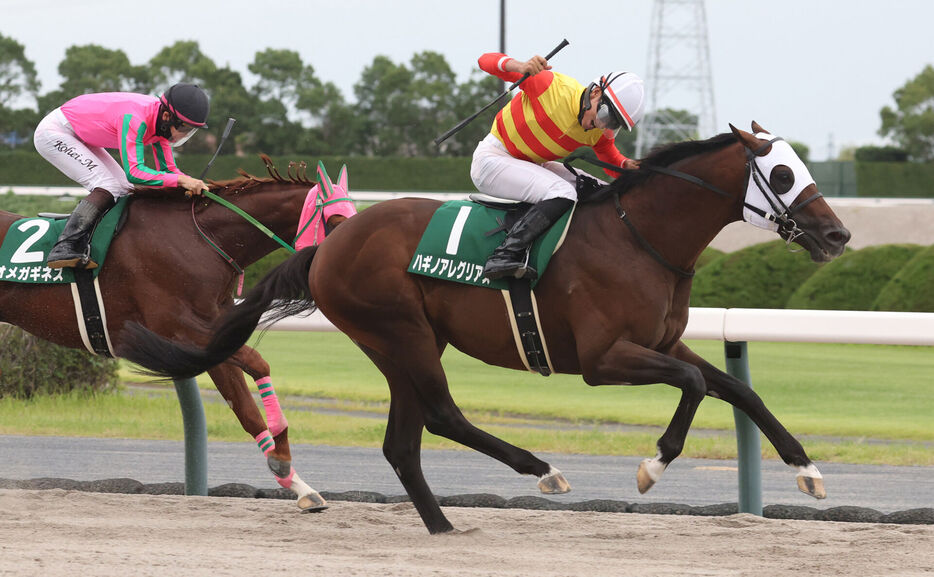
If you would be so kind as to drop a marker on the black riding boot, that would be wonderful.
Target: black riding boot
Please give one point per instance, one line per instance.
(73, 246)
(512, 257)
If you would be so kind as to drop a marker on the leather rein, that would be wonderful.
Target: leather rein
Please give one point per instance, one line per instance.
(264, 229)
(782, 215)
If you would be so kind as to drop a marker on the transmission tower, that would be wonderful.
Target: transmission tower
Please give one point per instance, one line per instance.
(679, 85)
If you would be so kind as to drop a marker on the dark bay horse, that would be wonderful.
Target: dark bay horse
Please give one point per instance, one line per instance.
(161, 273)
(613, 304)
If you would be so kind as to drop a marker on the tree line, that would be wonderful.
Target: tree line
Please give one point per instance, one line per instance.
(398, 107)
(398, 110)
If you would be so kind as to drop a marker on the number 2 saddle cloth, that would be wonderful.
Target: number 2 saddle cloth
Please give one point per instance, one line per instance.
(28, 241)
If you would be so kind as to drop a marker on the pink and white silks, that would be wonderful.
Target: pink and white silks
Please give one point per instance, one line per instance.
(74, 138)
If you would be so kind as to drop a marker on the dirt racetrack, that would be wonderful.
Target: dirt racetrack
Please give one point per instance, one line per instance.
(66, 533)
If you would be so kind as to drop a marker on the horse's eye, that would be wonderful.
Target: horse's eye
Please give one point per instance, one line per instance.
(783, 178)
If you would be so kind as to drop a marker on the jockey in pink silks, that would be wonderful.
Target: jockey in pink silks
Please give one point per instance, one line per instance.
(74, 137)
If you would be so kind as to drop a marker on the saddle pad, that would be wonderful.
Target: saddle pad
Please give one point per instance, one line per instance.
(28, 241)
(455, 246)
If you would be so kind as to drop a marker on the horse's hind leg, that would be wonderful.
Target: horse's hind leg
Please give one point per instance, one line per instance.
(730, 389)
(442, 417)
(275, 446)
(403, 441)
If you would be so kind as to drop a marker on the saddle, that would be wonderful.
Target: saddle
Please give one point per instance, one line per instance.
(28, 241)
(23, 256)
(463, 234)
(454, 247)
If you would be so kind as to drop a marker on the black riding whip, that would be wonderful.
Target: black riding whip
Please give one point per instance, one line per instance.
(470, 119)
(227, 129)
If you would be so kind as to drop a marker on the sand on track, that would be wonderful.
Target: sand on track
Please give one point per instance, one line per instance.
(57, 533)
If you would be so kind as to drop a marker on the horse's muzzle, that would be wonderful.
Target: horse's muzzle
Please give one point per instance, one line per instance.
(827, 244)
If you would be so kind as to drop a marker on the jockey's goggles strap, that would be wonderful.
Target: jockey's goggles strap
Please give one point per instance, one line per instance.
(248, 218)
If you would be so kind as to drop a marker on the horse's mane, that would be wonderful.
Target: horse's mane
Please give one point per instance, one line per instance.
(296, 174)
(664, 155)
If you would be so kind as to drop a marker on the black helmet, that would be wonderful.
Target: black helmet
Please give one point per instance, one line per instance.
(188, 103)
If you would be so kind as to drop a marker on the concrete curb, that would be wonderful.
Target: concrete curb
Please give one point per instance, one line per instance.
(920, 516)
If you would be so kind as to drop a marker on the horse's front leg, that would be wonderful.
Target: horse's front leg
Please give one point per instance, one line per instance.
(273, 440)
(626, 363)
(720, 385)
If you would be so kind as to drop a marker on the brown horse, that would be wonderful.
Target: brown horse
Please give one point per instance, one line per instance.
(161, 273)
(613, 304)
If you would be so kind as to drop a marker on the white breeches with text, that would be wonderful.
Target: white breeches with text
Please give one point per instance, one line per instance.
(90, 166)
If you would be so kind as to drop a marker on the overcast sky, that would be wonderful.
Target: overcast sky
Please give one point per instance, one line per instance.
(815, 71)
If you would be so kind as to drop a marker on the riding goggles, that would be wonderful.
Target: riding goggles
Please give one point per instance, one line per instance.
(606, 117)
(186, 130)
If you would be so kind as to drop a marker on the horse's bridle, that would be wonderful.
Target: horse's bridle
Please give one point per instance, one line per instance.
(782, 214)
(227, 258)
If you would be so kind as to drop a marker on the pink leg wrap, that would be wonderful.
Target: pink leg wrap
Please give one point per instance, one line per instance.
(265, 442)
(274, 417)
(287, 481)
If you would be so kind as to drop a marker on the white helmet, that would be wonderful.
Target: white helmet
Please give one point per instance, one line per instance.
(623, 100)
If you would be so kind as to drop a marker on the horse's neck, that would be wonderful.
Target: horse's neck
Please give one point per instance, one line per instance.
(676, 218)
(243, 241)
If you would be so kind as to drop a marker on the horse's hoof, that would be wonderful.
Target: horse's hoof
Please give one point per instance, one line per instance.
(312, 503)
(553, 483)
(811, 482)
(649, 472)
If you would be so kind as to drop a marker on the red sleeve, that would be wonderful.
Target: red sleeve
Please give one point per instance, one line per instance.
(607, 152)
(493, 63)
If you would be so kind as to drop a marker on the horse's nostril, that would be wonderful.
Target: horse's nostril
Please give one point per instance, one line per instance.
(839, 236)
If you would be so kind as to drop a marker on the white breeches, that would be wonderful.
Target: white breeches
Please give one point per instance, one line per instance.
(497, 173)
(90, 166)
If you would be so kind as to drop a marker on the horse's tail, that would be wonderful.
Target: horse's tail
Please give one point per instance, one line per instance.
(281, 293)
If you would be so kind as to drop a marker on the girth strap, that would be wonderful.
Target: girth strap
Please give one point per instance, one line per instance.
(526, 330)
(89, 308)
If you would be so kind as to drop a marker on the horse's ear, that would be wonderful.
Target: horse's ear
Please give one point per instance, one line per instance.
(325, 181)
(756, 129)
(342, 178)
(748, 140)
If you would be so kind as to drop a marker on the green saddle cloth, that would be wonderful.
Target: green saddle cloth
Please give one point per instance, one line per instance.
(455, 246)
(28, 241)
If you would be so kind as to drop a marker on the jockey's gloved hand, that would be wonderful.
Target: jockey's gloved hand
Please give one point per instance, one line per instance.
(587, 185)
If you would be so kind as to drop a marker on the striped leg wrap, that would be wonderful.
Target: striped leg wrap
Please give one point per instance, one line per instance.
(265, 442)
(274, 417)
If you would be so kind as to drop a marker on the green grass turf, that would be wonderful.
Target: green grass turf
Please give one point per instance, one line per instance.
(882, 392)
(835, 398)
